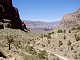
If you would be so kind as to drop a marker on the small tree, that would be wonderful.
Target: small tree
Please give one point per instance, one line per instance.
(10, 40)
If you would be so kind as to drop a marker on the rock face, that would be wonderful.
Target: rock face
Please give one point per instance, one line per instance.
(10, 15)
(70, 20)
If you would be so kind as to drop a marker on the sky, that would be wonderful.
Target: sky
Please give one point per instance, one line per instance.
(45, 10)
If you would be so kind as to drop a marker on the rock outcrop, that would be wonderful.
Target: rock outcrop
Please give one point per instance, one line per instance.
(9, 15)
(70, 20)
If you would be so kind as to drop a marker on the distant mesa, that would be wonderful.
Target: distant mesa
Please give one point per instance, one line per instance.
(41, 25)
(70, 20)
(9, 16)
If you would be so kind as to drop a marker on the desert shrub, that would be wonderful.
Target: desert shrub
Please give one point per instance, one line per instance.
(43, 45)
(75, 57)
(64, 37)
(27, 57)
(48, 41)
(49, 33)
(30, 49)
(60, 49)
(75, 51)
(71, 47)
(42, 54)
(65, 54)
(41, 36)
(17, 44)
(48, 36)
(77, 37)
(64, 31)
(45, 35)
(69, 31)
(56, 58)
(59, 31)
(69, 43)
(52, 32)
(76, 28)
(73, 28)
(60, 43)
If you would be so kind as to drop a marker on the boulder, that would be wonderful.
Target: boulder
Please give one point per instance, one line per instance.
(1, 25)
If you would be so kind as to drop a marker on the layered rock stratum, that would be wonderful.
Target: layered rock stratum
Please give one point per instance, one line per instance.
(70, 20)
(9, 16)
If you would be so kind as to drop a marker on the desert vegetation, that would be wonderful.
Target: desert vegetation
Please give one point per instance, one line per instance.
(77, 37)
(10, 40)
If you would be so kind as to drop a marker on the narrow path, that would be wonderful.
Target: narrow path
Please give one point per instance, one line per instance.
(61, 57)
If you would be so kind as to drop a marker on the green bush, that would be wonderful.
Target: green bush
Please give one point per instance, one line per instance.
(17, 44)
(48, 36)
(49, 41)
(71, 47)
(52, 32)
(59, 31)
(60, 43)
(69, 31)
(45, 35)
(69, 43)
(64, 31)
(31, 50)
(64, 37)
(43, 45)
(76, 28)
(42, 54)
(73, 28)
(77, 37)
(49, 33)
(41, 36)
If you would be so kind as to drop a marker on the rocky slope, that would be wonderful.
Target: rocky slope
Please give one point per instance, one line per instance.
(62, 44)
(70, 20)
(9, 16)
(22, 47)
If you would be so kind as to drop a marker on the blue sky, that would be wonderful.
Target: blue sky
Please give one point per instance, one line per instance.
(45, 10)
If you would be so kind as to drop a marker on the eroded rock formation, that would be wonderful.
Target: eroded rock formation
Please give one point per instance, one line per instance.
(70, 20)
(10, 15)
